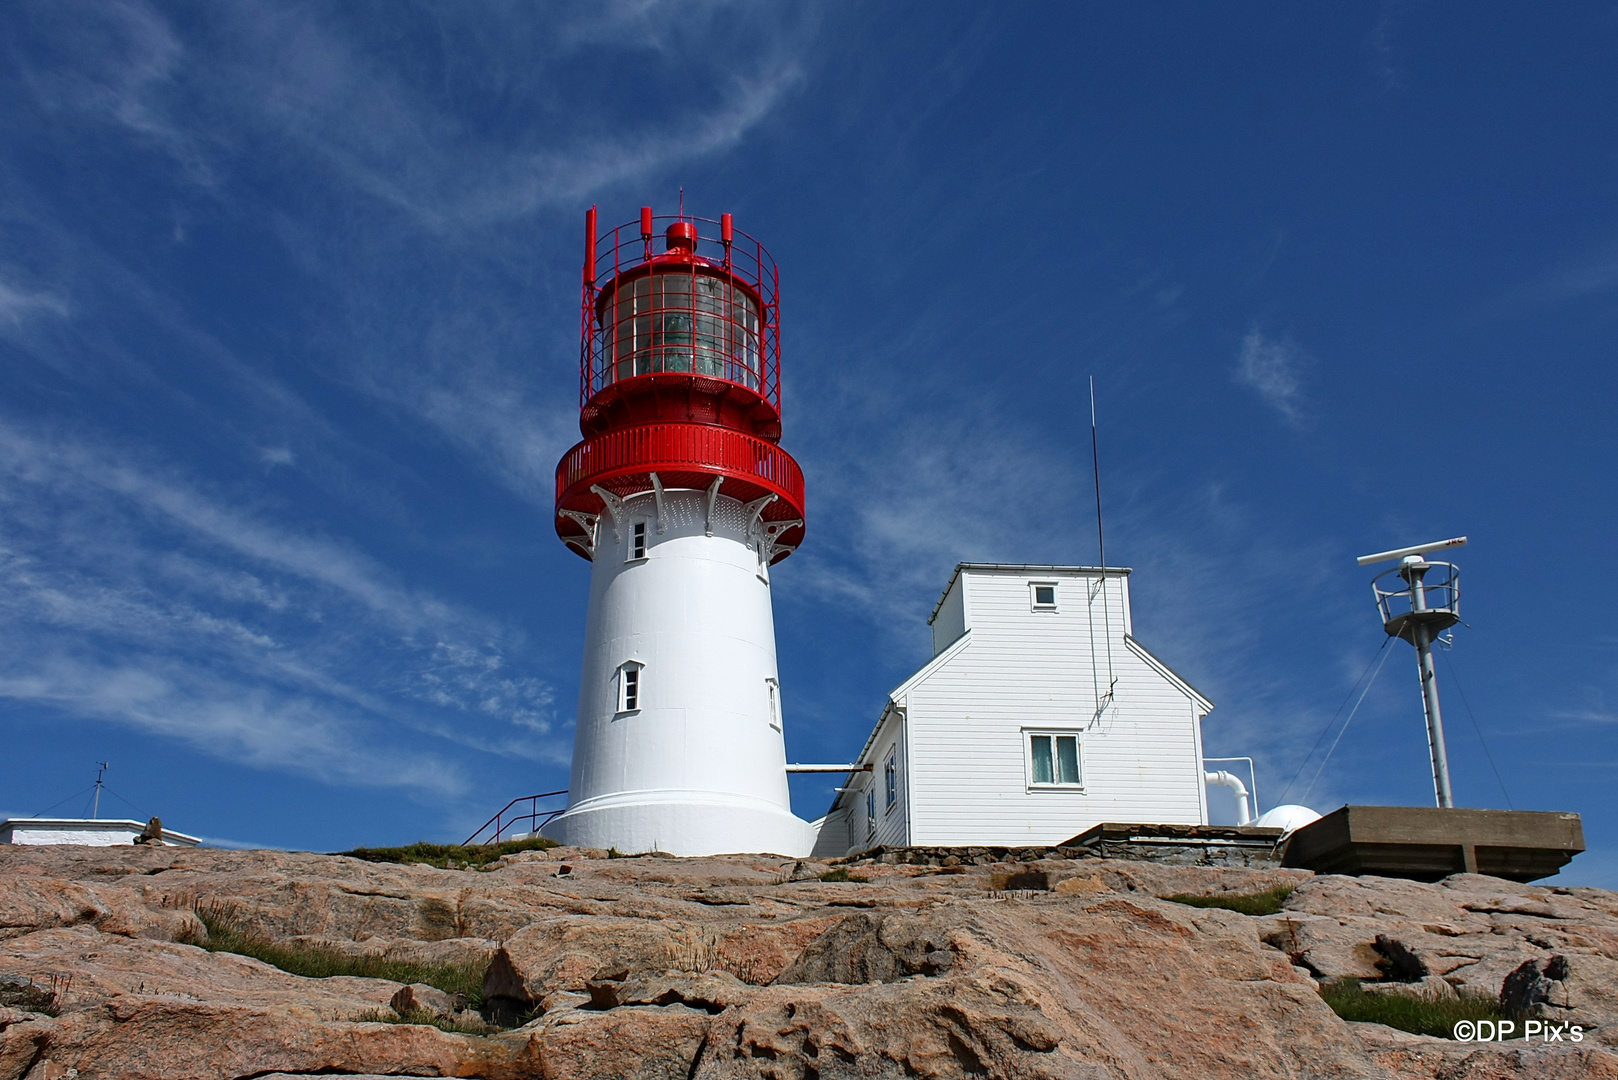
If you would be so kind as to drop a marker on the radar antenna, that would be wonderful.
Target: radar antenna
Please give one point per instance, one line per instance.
(1418, 612)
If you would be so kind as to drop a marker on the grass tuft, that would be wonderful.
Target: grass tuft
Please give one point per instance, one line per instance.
(226, 934)
(1417, 1016)
(449, 856)
(1267, 902)
(841, 874)
(422, 1016)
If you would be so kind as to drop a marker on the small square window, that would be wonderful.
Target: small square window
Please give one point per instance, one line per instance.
(1043, 594)
(637, 541)
(1053, 760)
(890, 777)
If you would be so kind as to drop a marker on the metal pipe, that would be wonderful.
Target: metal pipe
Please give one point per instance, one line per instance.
(1234, 782)
(828, 768)
(1435, 719)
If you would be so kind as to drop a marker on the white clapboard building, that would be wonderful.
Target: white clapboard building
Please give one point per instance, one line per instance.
(1038, 716)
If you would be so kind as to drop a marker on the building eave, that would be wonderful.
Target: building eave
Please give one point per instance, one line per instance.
(1168, 673)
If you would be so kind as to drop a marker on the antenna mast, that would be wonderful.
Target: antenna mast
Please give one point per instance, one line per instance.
(1418, 613)
(95, 810)
(1102, 701)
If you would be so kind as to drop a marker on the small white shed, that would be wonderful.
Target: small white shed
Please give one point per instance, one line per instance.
(1038, 716)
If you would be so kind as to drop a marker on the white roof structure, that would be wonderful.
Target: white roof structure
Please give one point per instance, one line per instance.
(94, 832)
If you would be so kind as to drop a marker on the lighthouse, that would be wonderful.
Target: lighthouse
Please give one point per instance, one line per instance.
(682, 500)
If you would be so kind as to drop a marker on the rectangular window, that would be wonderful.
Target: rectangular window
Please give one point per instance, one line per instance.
(629, 688)
(870, 811)
(637, 541)
(1053, 760)
(1043, 594)
(775, 702)
(890, 777)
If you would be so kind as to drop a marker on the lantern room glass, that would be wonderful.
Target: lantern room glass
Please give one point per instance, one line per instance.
(682, 320)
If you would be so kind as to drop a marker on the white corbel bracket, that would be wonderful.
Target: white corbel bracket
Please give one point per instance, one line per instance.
(771, 530)
(657, 497)
(590, 523)
(713, 496)
(751, 512)
(616, 508)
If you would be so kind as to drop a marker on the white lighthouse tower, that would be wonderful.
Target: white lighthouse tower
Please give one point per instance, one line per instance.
(682, 501)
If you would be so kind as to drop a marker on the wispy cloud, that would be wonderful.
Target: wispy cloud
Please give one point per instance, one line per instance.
(139, 598)
(16, 305)
(1273, 369)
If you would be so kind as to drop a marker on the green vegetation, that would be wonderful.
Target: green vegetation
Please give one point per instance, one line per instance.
(841, 874)
(421, 1016)
(1267, 902)
(449, 856)
(1417, 1016)
(226, 934)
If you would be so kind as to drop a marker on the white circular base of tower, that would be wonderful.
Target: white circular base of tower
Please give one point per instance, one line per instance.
(682, 823)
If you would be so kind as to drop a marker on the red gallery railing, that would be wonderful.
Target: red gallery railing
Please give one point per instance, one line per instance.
(675, 449)
(714, 311)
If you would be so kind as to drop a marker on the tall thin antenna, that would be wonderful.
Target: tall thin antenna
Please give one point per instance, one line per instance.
(1101, 545)
(95, 810)
(682, 202)
(1095, 456)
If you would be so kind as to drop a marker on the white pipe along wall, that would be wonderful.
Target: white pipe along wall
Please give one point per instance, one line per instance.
(1234, 783)
(686, 754)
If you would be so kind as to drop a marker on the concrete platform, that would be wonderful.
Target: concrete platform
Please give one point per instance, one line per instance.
(1426, 843)
(1181, 845)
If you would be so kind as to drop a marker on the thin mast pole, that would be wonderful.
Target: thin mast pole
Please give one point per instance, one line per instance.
(95, 810)
(1101, 545)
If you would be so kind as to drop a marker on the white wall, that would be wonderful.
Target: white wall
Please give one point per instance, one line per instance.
(1023, 668)
(699, 767)
(949, 622)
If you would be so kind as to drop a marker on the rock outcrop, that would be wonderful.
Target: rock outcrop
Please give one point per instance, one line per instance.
(752, 967)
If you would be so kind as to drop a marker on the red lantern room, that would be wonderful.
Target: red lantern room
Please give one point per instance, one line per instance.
(679, 375)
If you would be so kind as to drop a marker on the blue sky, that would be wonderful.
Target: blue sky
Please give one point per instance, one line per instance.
(288, 321)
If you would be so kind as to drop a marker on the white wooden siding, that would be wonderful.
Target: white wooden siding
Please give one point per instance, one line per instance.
(1000, 668)
(949, 621)
(1024, 668)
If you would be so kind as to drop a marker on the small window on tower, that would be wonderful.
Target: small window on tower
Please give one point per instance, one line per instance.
(637, 541)
(774, 689)
(1044, 595)
(629, 688)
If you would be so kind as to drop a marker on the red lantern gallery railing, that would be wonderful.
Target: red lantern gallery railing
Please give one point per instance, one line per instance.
(684, 455)
(707, 305)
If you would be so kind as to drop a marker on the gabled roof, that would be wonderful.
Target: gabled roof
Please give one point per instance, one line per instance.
(1168, 673)
(1023, 568)
(899, 692)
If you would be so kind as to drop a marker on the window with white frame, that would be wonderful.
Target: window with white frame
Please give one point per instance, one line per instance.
(890, 776)
(1042, 595)
(631, 686)
(870, 811)
(774, 689)
(1054, 760)
(637, 541)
